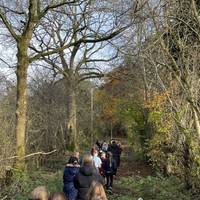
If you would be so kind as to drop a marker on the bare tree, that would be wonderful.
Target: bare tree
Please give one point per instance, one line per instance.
(83, 33)
(21, 19)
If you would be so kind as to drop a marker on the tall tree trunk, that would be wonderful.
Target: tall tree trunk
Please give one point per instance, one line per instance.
(197, 123)
(72, 121)
(21, 105)
(187, 165)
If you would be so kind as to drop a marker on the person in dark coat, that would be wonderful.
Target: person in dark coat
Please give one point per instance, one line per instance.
(98, 144)
(85, 177)
(110, 170)
(119, 152)
(115, 150)
(71, 169)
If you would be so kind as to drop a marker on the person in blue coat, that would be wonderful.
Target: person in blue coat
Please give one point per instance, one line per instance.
(71, 169)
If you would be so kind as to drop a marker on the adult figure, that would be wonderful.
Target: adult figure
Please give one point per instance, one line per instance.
(114, 149)
(85, 177)
(98, 144)
(119, 152)
(71, 169)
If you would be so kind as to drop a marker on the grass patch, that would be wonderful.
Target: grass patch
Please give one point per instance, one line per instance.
(121, 197)
(24, 183)
(152, 188)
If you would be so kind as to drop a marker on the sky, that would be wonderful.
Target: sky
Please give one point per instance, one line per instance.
(8, 54)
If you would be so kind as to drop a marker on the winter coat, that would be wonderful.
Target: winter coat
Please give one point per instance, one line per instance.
(104, 147)
(116, 152)
(97, 161)
(68, 180)
(84, 179)
(110, 166)
(114, 149)
(102, 168)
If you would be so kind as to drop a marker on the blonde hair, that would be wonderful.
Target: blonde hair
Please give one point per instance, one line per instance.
(40, 193)
(57, 196)
(87, 160)
(96, 192)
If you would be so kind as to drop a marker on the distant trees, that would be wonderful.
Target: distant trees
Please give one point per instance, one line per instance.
(7, 122)
(47, 112)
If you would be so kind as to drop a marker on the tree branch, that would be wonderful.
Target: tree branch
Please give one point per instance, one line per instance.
(102, 60)
(30, 155)
(82, 40)
(49, 7)
(8, 25)
(13, 11)
(90, 75)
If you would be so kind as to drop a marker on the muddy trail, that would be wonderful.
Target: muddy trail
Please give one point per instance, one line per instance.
(130, 166)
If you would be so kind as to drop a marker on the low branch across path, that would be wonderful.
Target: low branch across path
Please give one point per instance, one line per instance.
(30, 155)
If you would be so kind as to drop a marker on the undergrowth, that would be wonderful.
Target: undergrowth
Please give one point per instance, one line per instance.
(152, 188)
(23, 183)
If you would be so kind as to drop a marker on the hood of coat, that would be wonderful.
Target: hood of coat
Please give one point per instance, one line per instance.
(71, 170)
(71, 165)
(87, 170)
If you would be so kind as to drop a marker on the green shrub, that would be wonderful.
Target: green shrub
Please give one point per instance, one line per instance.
(23, 183)
(155, 188)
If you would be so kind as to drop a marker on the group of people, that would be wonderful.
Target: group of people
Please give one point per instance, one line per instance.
(87, 178)
(96, 192)
(100, 166)
(41, 193)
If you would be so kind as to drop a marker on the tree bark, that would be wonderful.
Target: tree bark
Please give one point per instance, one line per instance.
(197, 123)
(72, 143)
(187, 165)
(21, 104)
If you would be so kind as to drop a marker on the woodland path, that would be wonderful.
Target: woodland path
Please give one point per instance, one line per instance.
(129, 166)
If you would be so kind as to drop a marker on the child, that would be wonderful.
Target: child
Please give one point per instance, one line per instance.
(103, 159)
(71, 169)
(40, 193)
(104, 146)
(57, 196)
(110, 170)
(96, 192)
(85, 177)
(96, 159)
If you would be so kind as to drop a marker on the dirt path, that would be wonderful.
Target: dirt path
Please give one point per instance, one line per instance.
(130, 167)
